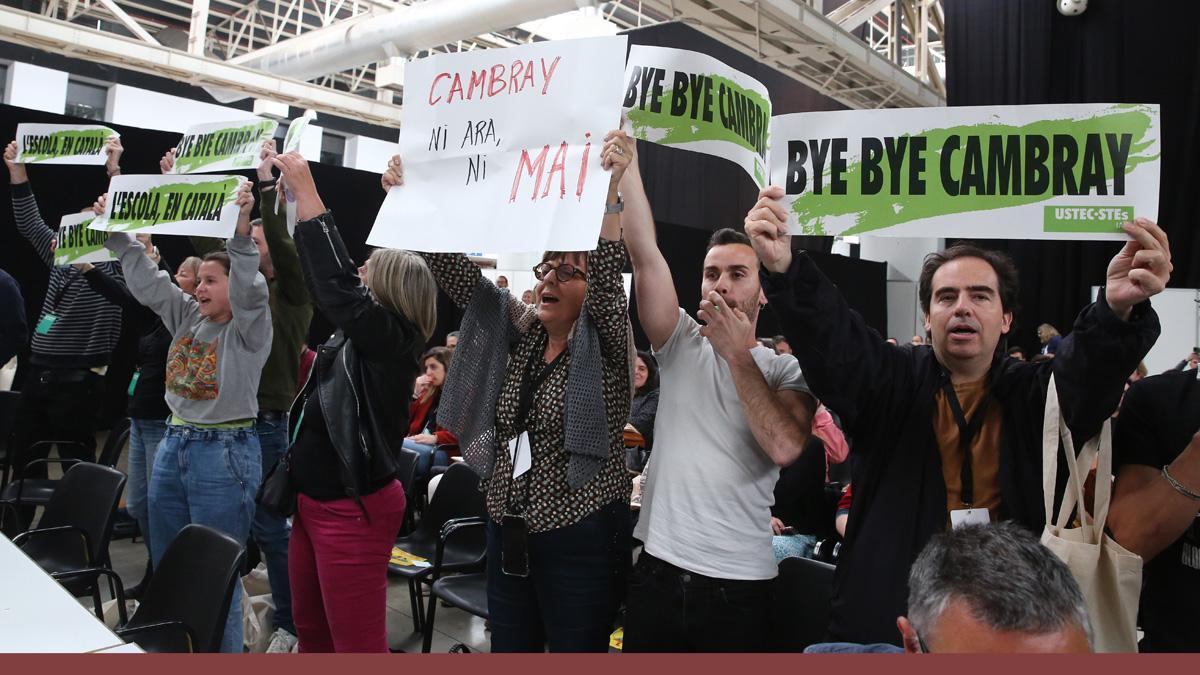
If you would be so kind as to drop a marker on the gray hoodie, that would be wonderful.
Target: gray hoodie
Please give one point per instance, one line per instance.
(213, 368)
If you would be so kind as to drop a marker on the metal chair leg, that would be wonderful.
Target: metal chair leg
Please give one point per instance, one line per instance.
(427, 643)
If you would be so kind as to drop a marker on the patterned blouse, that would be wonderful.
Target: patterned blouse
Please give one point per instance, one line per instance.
(549, 502)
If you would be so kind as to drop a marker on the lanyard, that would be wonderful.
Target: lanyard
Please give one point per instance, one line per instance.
(529, 387)
(967, 431)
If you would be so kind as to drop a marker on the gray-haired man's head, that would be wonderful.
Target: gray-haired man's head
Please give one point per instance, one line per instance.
(993, 588)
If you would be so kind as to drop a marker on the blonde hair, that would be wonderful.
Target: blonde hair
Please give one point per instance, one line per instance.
(402, 283)
(191, 262)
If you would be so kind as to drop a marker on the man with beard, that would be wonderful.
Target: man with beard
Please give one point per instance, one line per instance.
(731, 413)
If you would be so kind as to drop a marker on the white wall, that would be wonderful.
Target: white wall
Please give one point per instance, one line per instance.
(1178, 310)
(38, 88)
(151, 110)
(904, 257)
(369, 154)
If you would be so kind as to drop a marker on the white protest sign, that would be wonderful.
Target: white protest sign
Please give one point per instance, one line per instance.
(190, 205)
(63, 143)
(222, 146)
(77, 243)
(501, 149)
(1012, 172)
(295, 133)
(694, 102)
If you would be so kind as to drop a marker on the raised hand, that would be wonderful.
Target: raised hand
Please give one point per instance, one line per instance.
(620, 151)
(99, 205)
(394, 175)
(16, 172)
(1141, 269)
(112, 165)
(727, 328)
(295, 172)
(265, 165)
(167, 162)
(766, 225)
(245, 202)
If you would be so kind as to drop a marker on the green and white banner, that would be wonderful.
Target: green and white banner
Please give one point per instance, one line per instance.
(77, 243)
(1019, 172)
(201, 206)
(692, 101)
(222, 146)
(295, 132)
(63, 143)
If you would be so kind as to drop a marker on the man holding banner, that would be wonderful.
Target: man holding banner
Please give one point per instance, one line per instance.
(73, 339)
(948, 434)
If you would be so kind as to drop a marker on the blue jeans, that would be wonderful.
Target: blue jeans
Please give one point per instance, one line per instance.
(577, 577)
(430, 457)
(271, 533)
(793, 546)
(144, 437)
(209, 477)
(852, 648)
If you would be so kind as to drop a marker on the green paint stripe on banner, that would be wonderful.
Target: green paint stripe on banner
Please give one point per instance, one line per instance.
(1098, 219)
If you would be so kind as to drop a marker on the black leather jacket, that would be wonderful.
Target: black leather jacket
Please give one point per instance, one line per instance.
(363, 375)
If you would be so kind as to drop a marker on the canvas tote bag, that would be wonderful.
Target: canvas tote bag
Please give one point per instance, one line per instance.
(1109, 576)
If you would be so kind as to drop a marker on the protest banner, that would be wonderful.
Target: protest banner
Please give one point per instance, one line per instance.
(222, 146)
(692, 101)
(501, 149)
(63, 143)
(1013, 172)
(79, 244)
(191, 205)
(295, 132)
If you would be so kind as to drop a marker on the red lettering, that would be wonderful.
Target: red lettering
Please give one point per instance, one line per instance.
(583, 168)
(514, 72)
(456, 85)
(477, 81)
(548, 75)
(524, 164)
(433, 101)
(559, 165)
(497, 79)
(529, 72)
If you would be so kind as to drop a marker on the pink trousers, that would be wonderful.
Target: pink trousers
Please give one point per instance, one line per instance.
(338, 562)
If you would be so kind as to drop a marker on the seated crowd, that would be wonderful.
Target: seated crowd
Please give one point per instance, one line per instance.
(743, 448)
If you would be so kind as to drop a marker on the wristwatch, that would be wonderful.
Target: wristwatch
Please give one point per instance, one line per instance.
(610, 209)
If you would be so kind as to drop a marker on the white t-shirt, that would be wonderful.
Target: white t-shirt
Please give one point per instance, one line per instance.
(706, 506)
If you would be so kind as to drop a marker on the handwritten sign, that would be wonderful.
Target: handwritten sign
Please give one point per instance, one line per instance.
(1019, 172)
(694, 102)
(222, 146)
(501, 149)
(63, 143)
(79, 244)
(164, 204)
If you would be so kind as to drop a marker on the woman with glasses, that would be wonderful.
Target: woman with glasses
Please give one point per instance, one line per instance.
(538, 397)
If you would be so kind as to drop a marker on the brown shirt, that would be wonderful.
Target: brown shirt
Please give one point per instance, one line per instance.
(985, 448)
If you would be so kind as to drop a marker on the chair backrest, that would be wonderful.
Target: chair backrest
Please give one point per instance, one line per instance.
(193, 584)
(800, 603)
(118, 439)
(8, 417)
(87, 498)
(457, 496)
(406, 471)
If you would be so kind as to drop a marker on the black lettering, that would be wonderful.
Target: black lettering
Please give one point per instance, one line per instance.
(949, 184)
(820, 150)
(679, 95)
(656, 89)
(916, 165)
(1004, 164)
(631, 93)
(872, 176)
(1037, 176)
(797, 179)
(1066, 152)
(972, 176)
(1118, 154)
(1092, 176)
(837, 167)
(895, 155)
(696, 82)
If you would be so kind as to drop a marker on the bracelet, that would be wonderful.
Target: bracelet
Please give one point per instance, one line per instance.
(1179, 487)
(265, 184)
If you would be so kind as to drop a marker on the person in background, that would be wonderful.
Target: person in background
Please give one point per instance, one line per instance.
(187, 274)
(893, 341)
(73, 339)
(209, 464)
(1016, 353)
(501, 281)
(841, 516)
(148, 410)
(917, 340)
(14, 332)
(768, 343)
(527, 297)
(291, 313)
(425, 436)
(1049, 337)
(644, 409)
(1190, 363)
(452, 340)
(557, 397)
(781, 345)
(1155, 510)
(346, 426)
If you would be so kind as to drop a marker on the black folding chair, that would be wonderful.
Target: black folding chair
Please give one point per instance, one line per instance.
(468, 592)
(801, 603)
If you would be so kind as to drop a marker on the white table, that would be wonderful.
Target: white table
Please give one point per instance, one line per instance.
(39, 615)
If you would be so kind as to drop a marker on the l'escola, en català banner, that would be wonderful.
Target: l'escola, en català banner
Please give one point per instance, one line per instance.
(63, 143)
(202, 206)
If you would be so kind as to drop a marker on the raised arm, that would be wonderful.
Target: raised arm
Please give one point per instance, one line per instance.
(845, 362)
(289, 279)
(151, 286)
(248, 295)
(330, 272)
(606, 301)
(25, 209)
(657, 302)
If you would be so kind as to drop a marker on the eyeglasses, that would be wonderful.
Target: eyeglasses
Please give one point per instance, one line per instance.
(564, 271)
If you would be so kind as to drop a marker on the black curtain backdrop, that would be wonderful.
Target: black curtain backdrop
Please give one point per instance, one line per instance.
(1025, 52)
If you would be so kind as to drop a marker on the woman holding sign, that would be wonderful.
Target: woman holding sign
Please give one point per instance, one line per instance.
(538, 398)
(208, 465)
(346, 427)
